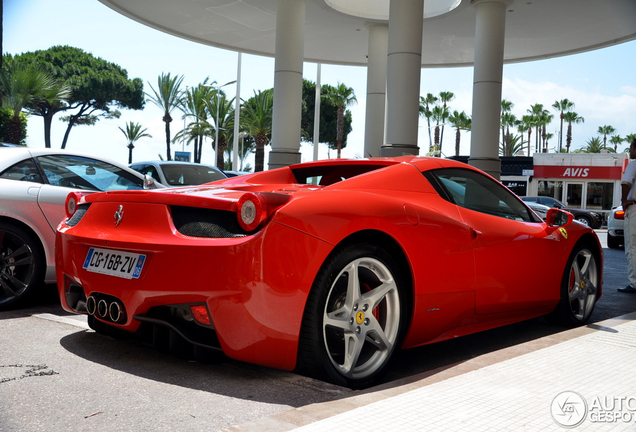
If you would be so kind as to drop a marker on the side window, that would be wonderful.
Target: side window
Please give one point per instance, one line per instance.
(85, 173)
(147, 170)
(474, 191)
(23, 171)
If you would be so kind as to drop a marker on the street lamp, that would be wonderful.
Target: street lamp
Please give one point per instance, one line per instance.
(216, 138)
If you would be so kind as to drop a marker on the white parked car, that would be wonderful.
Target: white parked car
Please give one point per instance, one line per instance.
(34, 184)
(615, 223)
(176, 173)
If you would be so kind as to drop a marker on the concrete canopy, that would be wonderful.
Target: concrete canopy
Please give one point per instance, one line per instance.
(484, 34)
(335, 29)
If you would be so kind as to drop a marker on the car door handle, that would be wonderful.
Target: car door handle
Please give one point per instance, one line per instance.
(474, 233)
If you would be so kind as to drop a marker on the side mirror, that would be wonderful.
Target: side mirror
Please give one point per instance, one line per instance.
(557, 217)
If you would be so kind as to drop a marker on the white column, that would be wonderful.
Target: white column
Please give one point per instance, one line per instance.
(403, 77)
(288, 83)
(490, 29)
(376, 89)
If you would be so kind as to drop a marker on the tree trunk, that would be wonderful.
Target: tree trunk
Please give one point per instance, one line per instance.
(71, 122)
(457, 138)
(48, 120)
(259, 160)
(167, 119)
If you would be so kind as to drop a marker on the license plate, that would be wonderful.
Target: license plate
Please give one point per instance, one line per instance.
(114, 263)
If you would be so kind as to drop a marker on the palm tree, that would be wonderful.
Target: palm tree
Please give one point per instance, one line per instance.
(605, 131)
(535, 112)
(616, 140)
(629, 138)
(505, 117)
(444, 97)
(439, 114)
(257, 117)
(193, 105)
(512, 147)
(526, 124)
(425, 110)
(460, 121)
(507, 120)
(572, 118)
(593, 145)
(543, 120)
(23, 86)
(562, 106)
(133, 133)
(224, 114)
(167, 96)
(342, 97)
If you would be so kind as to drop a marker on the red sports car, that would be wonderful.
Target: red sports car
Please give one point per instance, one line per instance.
(325, 267)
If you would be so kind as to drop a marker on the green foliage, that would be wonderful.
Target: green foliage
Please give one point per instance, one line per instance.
(167, 96)
(594, 145)
(5, 115)
(96, 86)
(328, 117)
(257, 120)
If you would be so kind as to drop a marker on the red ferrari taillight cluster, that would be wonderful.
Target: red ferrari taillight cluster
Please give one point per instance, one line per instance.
(251, 211)
(619, 214)
(254, 208)
(72, 203)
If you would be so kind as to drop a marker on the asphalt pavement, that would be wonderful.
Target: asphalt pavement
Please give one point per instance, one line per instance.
(56, 374)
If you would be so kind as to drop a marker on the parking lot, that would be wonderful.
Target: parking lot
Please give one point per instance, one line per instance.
(55, 374)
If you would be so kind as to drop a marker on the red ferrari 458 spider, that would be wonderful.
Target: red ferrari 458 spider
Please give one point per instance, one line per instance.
(325, 267)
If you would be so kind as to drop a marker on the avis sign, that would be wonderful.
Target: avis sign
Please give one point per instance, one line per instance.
(576, 172)
(573, 172)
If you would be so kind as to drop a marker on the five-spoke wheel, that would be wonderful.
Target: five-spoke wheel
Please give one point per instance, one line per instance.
(579, 288)
(355, 317)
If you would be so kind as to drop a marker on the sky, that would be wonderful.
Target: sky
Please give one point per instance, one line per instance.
(601, 83)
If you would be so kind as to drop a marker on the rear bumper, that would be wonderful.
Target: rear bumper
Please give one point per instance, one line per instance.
(254, 288)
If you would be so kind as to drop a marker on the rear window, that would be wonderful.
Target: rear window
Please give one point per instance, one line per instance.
(330, 174)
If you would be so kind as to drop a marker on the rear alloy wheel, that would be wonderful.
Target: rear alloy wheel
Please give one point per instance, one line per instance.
(584, 220)
(20, 265)
(355, 317)
(579, 288)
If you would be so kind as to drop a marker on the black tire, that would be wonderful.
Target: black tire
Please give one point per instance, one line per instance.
(613, 242)
(350, 333)
(579, 288)
(21, 266)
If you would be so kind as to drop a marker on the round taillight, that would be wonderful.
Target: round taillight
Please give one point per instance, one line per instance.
(251, 211)
(72, 201)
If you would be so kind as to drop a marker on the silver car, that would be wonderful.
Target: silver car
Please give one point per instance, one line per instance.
(34, 184)
(540, 209)
(615, 226)
(176, 173)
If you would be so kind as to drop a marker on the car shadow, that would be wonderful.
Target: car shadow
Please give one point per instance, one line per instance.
(225, 377)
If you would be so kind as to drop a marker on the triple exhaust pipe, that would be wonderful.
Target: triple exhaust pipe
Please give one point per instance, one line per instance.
(113, 310)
